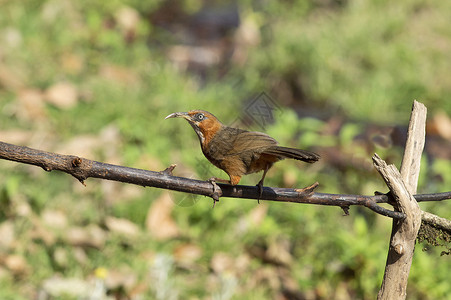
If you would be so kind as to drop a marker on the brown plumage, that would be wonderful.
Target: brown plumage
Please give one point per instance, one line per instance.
(236, 151)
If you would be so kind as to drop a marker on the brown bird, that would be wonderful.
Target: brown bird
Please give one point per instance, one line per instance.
(236, 151)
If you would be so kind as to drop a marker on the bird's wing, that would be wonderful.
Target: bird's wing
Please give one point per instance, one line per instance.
(250, 141)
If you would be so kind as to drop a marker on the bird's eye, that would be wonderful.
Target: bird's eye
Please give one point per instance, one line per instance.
(200, 117)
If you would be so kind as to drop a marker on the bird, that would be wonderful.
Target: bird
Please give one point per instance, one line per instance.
(238, 151)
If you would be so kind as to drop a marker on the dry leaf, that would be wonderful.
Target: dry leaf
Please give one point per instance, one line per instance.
(248, 33)
(110, 139)
(80, 256)
(279, 251)
(54, 219)
(120, 278)
(12, 37)
(23, 209)
(40, 232)
(266, 276)
(129, 191)
(258, 214)
(443, 125)
(98, 235)
(225, 263)
(91, 236)
(7, 235)
(252, 220)
(72, 63)
(60, 257)
(111, 192)
(289, 178)
(9, 79)
(242, 263)
(17, 264)
(63, 95)
(159, 221)
(149, 162)
(77, 236)
(16, 136)
(122, 226)
(81, 145)
(183, 56)
(118, 74)
(246, 36)
(222, 262)
(114, 192)
(187, 253)
(58, 287)
(342, 291)
(31, 105)
(127, 18)
(4, 273)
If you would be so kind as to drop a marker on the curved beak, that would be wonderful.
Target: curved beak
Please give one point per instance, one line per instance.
(178, 115)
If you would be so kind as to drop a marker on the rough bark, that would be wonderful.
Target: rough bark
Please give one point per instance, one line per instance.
(402, 186)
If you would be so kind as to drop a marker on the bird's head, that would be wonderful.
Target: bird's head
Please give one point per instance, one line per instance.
(204, 123)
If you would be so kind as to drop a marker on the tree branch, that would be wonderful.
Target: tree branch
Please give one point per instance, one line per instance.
(82, 169)
(436, 221)
(402, 186)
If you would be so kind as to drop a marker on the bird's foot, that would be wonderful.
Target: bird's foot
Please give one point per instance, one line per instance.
(260, 190)
(216, 190)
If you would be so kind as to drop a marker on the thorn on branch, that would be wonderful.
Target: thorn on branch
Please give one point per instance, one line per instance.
(46, 168)
(80, 178)
(345, 210)
(168, 170)
(308, 190)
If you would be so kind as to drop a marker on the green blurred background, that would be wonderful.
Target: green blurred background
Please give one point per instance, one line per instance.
(96, 79)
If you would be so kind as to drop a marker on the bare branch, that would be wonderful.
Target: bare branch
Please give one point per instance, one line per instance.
(436, 221)
(402, 186)
(416, 136)
(404, 233)
(82, 169)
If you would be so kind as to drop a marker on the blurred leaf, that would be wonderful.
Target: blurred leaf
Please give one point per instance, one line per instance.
(63, 95)
(348, 132)
(159, 221)
(122, 227)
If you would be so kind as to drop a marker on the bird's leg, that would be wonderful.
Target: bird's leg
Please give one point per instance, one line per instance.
(216, 188)
(260, 183)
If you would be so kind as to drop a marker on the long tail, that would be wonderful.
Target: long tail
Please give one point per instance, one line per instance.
(298, 154)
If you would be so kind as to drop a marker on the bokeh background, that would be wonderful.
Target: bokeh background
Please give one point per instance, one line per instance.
(96, 79)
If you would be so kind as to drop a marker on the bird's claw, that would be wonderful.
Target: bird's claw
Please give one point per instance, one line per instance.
(216, 191)
(260, 191)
